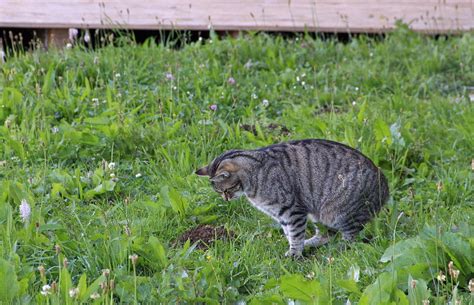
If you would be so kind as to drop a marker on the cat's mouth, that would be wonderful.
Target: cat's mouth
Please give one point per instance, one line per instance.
(231, 192)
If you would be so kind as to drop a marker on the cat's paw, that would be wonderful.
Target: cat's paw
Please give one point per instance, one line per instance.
(292, 253)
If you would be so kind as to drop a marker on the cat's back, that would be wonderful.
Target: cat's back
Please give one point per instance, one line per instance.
(323, 169)
(319, 153)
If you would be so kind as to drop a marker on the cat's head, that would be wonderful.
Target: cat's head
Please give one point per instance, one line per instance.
(224, 177)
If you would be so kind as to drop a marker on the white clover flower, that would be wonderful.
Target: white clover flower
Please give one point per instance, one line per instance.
(54, 129)
(25, 210)
(73, 292)
(117, 75)
(265, 102)
(138, 175)
(111, 165)
(68, 46)
(46, 290)
(95, 296)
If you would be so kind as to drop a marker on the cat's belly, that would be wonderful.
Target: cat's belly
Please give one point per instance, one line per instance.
(264, 207)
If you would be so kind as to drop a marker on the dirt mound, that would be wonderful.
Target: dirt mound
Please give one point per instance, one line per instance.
(205, 235)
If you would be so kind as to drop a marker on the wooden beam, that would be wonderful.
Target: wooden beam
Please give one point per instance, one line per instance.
(436, 16)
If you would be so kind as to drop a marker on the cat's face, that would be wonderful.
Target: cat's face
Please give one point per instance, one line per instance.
(225, 180)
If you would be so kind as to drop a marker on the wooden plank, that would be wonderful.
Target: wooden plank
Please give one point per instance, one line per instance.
(271, 15)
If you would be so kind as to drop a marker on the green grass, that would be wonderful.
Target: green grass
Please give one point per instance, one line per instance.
(66, 115)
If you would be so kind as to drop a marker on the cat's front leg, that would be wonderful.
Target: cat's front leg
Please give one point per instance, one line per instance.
(295, 230)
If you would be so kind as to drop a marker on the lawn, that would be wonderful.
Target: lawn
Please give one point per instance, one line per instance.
(99, 149)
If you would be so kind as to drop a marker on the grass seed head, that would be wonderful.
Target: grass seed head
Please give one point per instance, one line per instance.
(133, 258)
(441, 277)
(42, 271)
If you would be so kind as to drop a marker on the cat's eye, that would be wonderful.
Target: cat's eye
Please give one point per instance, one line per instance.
(220, 177)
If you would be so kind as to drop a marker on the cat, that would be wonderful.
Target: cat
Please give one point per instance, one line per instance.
(328, 182)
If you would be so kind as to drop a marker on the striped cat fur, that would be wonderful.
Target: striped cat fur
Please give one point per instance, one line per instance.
(328, 182)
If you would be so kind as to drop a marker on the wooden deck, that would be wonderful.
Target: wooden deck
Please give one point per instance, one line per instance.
(434, 16)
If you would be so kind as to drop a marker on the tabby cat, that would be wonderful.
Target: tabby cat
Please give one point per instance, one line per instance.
(327, 182)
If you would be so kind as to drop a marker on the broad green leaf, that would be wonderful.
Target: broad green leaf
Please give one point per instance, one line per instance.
(349, 285)
(382, 132)
(9, 286)
(174, 199)
(417, 291)
(361, 114)
(399, 249)
(381, 291)
(82, 285)
(48, 79)
(65, 284)
(157, 251)
(296, 287)
(93, 288)
(57, 190)
(273, 299)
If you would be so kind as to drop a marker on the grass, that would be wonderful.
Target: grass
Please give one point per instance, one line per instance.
(102, 144)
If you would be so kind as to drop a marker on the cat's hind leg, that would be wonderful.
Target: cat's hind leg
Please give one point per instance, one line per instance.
(318, 239)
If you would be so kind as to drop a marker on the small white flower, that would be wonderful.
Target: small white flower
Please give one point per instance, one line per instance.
(248, 64)
(356, 88)
(87, 36)
(95, 296)
(68, 45)
(46, 290)
(95, 100)
(73, 34)
(25, 210)
(265, 102)
(254, 96)
(138, 175)
(55, 130)
(303, 83)
(111, 165)
(112, 175)
(117, 75)
(353, 103)
(73, 292)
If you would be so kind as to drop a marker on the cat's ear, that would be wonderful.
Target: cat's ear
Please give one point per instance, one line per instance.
(202, 171)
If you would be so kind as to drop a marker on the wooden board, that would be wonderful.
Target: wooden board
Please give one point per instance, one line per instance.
(435, 16)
